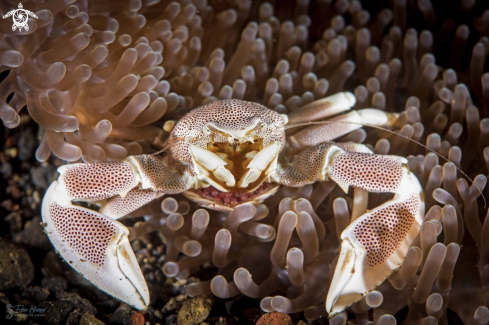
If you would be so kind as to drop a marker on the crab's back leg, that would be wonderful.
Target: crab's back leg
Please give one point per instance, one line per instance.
(322, 108)
(93, 243)
(374, 244)
(346, 123)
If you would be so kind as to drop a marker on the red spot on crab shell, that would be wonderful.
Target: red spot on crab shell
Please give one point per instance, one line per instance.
(382, 232)
(85, 231)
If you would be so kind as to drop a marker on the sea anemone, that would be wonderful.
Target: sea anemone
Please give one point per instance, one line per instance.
(93, 74)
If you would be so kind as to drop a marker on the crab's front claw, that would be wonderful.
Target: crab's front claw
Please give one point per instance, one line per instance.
(376, 243)
(372, 247)
(94, 245)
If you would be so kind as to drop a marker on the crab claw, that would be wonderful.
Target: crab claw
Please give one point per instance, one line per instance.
(94, 245)
(376, 243)
(372, 247)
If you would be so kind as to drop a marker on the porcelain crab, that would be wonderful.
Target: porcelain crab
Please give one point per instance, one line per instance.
(232, 152)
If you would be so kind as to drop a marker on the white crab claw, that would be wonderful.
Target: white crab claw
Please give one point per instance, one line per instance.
(94, 245)
(259, 163)
(205, 160)
(360, 270)
(346, 263)
(375, 244)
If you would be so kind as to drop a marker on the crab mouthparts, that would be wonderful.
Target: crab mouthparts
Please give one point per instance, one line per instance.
(232, 199)
(237, 169)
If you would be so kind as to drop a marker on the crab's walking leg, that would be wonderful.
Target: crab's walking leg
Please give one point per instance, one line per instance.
(322, 108)
(375, 244)
(93, 243)
(346, 123)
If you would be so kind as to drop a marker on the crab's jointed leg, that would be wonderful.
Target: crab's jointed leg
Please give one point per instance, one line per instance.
(94, 243)
(322, 108)
(374, 244)
(337, 126)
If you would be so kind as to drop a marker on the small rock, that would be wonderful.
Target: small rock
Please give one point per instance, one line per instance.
(121, 316)
(14, 190)
(88, 319)
(171, 320)
(181, 297)
(43, 176)
(36, 197)
(275, 319)
(11, 152)
(52, 265)
(81, 306)
(79, 302)
(33, 235)
(35, 293)
(15, 221)
(171, 306)
(16, 269)
(54, 284)
(137, 244)
(6, 169)
(137, 318)
(57, 311)
(158, 314)
(9, 205)
(194, 310)
(27, 144)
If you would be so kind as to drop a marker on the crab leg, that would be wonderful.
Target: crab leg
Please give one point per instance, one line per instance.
(346, 123)
(375, 244)
(92, 242)
(118, 206)
(323, 108)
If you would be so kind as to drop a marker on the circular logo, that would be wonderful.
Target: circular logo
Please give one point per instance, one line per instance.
(20, 17)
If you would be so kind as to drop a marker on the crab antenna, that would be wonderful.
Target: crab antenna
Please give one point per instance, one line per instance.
(398, 134)
(162, 150)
